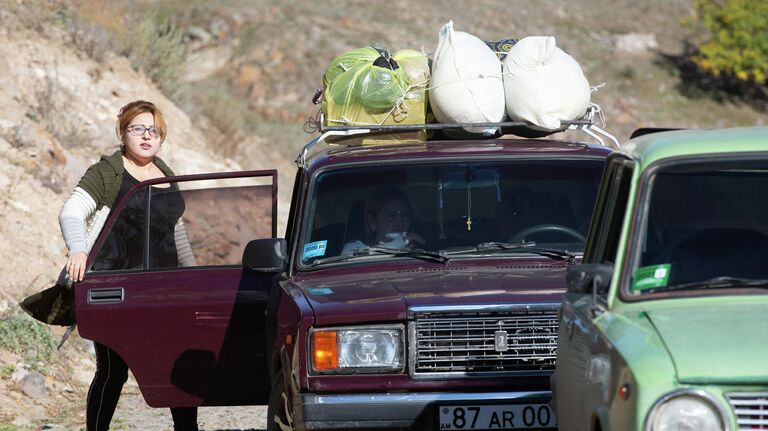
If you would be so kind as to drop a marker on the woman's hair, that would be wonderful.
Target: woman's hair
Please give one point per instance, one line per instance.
(378, 198)
(131, 110)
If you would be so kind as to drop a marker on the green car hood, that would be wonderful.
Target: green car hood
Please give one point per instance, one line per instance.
(727, 343)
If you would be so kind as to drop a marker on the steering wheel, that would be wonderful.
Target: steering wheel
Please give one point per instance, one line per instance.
(554, 228)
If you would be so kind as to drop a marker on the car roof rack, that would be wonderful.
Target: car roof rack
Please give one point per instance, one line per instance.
(586, 124)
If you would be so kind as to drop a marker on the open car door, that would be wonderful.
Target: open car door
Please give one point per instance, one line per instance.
(191, 335)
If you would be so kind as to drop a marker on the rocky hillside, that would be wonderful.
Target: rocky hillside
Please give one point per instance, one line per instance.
(57, 116)
(236, 97)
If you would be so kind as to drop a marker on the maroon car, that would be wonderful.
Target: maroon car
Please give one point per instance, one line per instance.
(417, 287)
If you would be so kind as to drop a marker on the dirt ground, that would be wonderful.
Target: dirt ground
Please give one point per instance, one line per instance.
(62, 406)
(134, 414)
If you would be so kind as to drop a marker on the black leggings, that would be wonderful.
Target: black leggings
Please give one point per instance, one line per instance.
(111, 374)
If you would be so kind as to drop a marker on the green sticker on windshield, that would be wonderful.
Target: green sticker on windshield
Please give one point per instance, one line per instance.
(650, 277)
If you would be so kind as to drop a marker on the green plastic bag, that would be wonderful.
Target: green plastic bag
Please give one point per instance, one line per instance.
(368, 86)
(415, 66)
(368, 78)
(348, 60)
(374, 88)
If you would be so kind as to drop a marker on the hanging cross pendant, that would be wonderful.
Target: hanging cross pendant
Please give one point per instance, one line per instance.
(469, 223)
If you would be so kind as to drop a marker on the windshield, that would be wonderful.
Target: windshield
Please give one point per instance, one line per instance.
(450, 208)
(707, 227)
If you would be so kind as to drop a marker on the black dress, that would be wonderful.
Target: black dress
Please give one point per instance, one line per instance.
(124, 246)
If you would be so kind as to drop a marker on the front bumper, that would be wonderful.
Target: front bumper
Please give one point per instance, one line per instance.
(397, 410)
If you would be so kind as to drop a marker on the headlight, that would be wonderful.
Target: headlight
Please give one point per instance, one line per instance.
(686, 409)
(357, 349)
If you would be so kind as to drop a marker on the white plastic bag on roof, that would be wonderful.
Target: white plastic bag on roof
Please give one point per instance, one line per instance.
(543, 84)
(466, 84)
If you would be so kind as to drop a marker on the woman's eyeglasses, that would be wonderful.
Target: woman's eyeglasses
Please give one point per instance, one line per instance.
(139, 129)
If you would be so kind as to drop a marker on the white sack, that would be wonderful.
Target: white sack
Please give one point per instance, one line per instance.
(466, 85)
(543, 84)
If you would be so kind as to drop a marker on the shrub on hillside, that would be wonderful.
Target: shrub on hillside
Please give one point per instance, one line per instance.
(226, 111)
(155, 46)
(148, 36)
(24, 336)
(733, 38)
(92, 26)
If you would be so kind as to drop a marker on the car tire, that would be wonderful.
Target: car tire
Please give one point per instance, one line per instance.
(279, 411)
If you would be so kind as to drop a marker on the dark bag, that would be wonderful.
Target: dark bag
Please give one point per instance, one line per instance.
(54, 306)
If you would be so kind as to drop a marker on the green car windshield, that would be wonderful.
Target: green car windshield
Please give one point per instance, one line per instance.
(706, 228)
(450, 208)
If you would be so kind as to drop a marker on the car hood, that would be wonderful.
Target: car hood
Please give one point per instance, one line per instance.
(386, 295)
(716, 344)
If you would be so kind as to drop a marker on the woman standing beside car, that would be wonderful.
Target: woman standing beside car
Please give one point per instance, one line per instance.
(141, 129)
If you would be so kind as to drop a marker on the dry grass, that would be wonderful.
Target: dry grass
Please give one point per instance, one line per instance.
(94, 26)
(225, 111)
(155, 46)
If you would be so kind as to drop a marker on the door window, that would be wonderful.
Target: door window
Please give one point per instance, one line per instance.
(609, 212)
(706, 226)
(187, 223)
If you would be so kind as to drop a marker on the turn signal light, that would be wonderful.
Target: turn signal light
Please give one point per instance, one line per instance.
(325, 350)
(624, 391)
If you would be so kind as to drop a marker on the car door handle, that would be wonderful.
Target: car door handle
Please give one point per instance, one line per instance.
(111, 295)
(570, 327)
(212, 319)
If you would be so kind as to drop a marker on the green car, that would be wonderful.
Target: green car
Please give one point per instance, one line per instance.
(664, 326)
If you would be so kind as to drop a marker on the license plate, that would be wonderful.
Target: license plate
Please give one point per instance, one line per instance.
(497, 417)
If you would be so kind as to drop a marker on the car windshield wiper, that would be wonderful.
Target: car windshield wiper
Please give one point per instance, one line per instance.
(528, 247)
(716, 283)
(371, 251)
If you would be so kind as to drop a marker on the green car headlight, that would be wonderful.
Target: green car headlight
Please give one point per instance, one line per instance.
(358, 349)
(686, 409)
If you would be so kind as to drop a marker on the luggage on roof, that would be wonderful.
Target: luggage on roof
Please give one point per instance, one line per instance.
(544, 85)
(466, 85)
(368, 86)
(527, 87)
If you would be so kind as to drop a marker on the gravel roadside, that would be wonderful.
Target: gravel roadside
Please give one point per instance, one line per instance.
(57, 402)
(134, 414)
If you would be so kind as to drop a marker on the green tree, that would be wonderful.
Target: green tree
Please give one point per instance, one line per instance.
(732, 38)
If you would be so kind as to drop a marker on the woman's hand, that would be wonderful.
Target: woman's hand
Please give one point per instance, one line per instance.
(414, 239)
(76, 266)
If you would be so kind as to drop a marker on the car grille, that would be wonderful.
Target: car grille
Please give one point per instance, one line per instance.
(750, 408)
(504, 339)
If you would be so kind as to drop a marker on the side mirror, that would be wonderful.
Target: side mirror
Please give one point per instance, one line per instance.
(266, 255)
(589, 278)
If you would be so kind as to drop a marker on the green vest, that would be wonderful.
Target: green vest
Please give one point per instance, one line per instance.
(103, 179)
